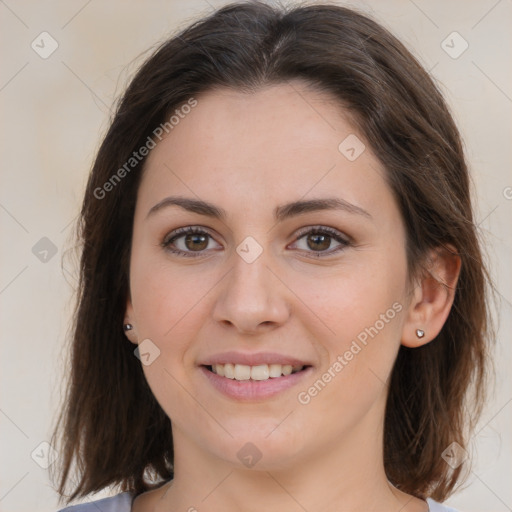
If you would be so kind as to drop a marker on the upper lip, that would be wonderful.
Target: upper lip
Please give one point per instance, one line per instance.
(254, 359)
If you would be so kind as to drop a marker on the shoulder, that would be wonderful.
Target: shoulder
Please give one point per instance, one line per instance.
(119, 503)
(434, 506)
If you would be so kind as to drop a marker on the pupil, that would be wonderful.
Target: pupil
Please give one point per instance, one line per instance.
(323, 240)
(196, 238)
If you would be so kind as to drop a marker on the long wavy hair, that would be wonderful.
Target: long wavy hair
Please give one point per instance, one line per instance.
(110, 425)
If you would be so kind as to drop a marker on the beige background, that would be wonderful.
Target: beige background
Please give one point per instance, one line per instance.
(55, 111)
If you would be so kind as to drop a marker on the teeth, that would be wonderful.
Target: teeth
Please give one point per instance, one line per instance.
(275, 370)
(242, 372)
(259, 372)
(229, 370)
(287, 369)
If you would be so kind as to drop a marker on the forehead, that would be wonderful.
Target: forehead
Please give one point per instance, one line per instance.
(229, 124)
(280, 142)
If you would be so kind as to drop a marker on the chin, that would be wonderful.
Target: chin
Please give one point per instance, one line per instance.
(261, 445)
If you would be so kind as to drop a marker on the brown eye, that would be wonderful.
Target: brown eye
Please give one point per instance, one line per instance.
(188, 241)
(318, 242)
(196, 242)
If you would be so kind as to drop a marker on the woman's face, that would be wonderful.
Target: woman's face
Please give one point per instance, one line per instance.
(298, 259)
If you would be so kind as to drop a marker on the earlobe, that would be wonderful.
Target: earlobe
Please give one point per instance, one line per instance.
(129, 324)
(432, 297)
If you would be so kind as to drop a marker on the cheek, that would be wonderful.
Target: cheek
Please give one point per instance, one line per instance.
(362, 312)
(168, 305)
(164, 295)
(365, 311)
(171, 305)
(354, 298)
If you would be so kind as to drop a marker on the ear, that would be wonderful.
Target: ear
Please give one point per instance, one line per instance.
(129, 318)
(432, 297)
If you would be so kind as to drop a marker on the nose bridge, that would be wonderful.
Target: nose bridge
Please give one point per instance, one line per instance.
(250, 270)
(251, 296)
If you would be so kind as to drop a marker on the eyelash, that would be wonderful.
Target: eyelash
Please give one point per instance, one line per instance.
(314, 230)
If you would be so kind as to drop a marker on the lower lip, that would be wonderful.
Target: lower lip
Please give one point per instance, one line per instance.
(251, 390)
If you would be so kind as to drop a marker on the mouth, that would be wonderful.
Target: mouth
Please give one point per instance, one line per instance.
(260, 372)
(257, 382)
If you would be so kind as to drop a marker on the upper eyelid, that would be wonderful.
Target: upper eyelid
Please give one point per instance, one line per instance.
(186, 230)
(320, 227)
(300, 233)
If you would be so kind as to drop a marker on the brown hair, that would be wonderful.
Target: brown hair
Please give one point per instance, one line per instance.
(111, 424)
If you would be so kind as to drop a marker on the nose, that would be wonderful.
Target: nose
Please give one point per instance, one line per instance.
(251, 298)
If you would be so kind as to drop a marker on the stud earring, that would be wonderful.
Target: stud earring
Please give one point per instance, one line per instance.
(420, 333)
(128, 327)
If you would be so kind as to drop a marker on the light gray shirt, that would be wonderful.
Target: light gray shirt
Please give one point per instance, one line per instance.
(123, 503)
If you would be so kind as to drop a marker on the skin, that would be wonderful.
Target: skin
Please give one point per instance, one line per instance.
(248, 153)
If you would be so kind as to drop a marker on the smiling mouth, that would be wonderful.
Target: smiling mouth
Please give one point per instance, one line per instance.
(258, 373)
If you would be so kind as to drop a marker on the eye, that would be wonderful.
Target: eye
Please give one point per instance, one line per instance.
(190, 241)
(318, 239)
(193, 241)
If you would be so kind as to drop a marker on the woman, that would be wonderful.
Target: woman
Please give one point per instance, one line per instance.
(282, 302)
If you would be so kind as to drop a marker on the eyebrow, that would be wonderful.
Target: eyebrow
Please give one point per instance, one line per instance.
(281, 212)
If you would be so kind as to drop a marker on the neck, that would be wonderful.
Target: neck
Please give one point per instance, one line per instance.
(349, 476)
